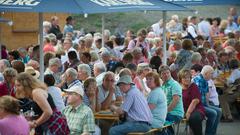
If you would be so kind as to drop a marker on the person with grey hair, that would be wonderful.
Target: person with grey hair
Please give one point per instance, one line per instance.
(94, 57)
(7, 86)
(70, 77)
(212, 57)
(99, 70)
(4, 64)
(138, 56)
(53, 68)
(196, 58)
(24, 55)
(84, 72)
(46, 27)
(68, 46)
(106, 35)
(108, 92)
(213, 113)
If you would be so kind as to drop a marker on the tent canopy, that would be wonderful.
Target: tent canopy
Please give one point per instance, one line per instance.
(204, 2)
(87, 6)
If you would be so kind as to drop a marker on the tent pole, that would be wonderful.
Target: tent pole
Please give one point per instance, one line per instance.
(103, 27)
(0, 38)
(41, 46)
(0, 41)
(164, 38)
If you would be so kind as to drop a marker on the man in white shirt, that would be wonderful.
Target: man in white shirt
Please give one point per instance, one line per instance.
(204, 28)
(158, 28)
(192, 27)
(68, 46)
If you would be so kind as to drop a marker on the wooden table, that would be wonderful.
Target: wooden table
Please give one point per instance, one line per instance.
(106, 116)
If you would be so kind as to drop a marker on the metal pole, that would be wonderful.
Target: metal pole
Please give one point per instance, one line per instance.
(0, 37)
(103, 23)
(164, 38)
(41, 46)
(0, 41)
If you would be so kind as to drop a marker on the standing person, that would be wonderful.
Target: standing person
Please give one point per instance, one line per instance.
(55, 29)
(79, 116)
(194, 110)
(11, 122)
(157, 100)
(213, 113)
(135, 109)
(49, 120)
(68, 28)
(192, 28)
(140, 42)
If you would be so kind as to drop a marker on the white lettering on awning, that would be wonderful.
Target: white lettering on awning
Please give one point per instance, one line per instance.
(20, 2)
(122, 2)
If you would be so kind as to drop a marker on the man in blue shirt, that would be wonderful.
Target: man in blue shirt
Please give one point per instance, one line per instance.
(135, 109)
(213, 113)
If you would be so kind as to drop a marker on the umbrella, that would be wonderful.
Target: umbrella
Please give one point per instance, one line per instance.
(205, 2)
(87, 7)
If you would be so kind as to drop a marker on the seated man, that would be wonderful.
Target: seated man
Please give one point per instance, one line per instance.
(135, 109)
(231, 93)
(80, 117)
(108, 93)
(173, 91)
(213, 113)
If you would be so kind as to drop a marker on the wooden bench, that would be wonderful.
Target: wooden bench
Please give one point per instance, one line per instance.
(219, 39)
(151, 131)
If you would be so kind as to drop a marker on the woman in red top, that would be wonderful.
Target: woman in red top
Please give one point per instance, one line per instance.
(194, 111)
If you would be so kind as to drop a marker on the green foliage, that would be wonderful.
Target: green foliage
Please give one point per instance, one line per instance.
(121, 22)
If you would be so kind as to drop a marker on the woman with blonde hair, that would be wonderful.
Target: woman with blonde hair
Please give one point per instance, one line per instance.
(157, 100)
(11, 122)
(49, 120)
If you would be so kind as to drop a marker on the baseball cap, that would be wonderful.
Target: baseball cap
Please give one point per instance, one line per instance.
(77, 89)
(125, 79)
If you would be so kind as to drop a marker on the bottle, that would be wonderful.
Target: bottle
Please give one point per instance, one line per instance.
(32, 113)
(21, 112)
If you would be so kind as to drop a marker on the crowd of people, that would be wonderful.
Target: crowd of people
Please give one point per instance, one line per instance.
(83, 76)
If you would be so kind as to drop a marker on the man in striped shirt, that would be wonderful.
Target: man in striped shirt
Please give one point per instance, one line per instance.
(135, 109)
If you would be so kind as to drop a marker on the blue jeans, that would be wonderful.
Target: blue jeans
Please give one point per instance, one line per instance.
(213, 118)
(173, 118)
(129, 126)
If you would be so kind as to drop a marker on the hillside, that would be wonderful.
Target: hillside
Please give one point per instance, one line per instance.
(120, 22)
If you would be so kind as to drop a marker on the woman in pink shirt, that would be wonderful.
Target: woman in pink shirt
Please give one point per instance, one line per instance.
(11, 123)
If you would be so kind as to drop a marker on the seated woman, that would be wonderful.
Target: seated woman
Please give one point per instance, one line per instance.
(49, 119)
(90, 88)
(193, 108)
(54, 91)
(157, 100)
(11, 123)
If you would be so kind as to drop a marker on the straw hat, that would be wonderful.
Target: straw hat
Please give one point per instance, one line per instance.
(30, 70)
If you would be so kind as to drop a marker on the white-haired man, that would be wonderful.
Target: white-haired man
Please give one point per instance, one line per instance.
(213, 113)
(99, 70)
(84, 72)
(53, 68)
